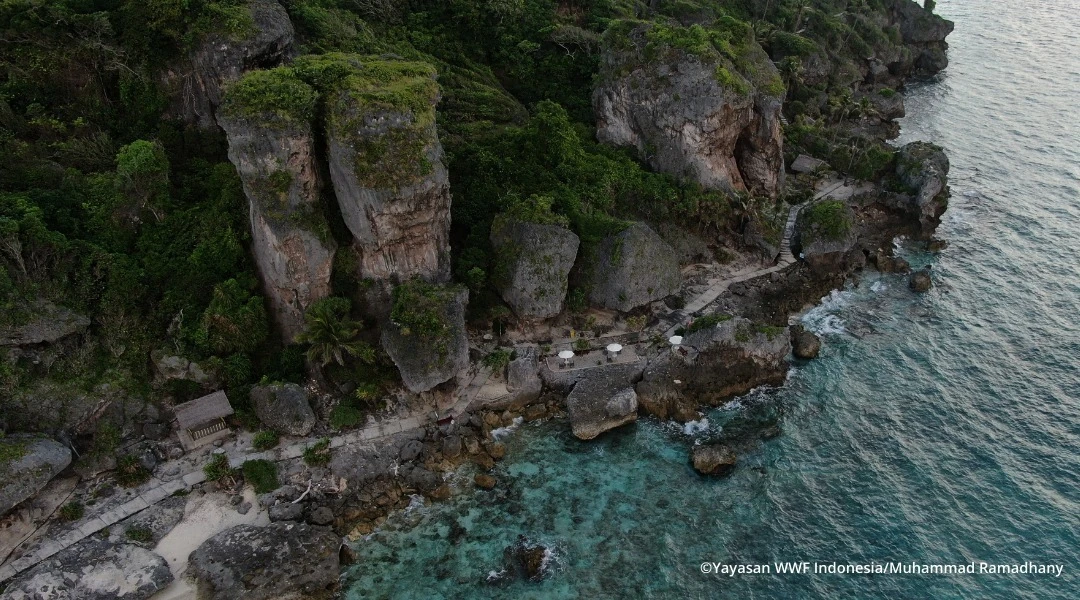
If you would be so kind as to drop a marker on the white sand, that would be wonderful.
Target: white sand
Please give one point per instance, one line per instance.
(204, 516)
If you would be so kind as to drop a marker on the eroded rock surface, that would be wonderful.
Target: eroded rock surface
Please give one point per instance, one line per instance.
(28, 463)
(427, 358)
(283, 408)
(94, 570)
(629, 269)
(604, 399)
(196, 85)
(274, 153)
(281, 560)
(714, 363)
(695, 115)
(923, 168)
(534, 262)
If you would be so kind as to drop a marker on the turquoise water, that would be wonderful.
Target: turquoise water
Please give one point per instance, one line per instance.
(936, 428)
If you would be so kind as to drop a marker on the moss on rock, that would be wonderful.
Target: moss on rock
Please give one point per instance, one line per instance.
(272, 95)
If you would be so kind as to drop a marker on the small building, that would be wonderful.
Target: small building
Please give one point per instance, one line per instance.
(202, 420)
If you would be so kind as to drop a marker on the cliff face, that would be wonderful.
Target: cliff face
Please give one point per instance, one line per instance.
(386, 164)
(197, 84)
(704, 107)
(426, 335)
(924, 32)
(629, 269)
(273, 149)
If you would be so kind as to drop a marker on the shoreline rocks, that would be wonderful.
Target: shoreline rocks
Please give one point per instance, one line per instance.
(804, 344)
(714, 459)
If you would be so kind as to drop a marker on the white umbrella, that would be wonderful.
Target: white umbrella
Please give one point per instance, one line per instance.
(675, 340)
(614, 348)
(566, 354)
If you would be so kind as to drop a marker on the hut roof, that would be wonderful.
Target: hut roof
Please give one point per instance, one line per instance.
(203, 410)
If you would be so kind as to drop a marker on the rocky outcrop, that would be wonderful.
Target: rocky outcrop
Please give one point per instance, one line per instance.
(49, 324)
(170, 367)
(523, 376)
(923, 168)
(920, 281)
(272, 146)
(628, 269)
(281, 560)
(712, 364)
(694, 113)
(426, 335)
(825, 235)
(94, 570)
(196, 85)
(924, 32)
(534, 261)
(804, 344)
(386, 164)
(283, 408)
(713, 459)
(27, 463)
(604, 399)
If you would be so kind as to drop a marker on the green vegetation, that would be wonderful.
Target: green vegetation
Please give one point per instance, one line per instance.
(581, 345)
(497, 359)
(217, 468)
(420, 309)
(130, 472)
(318, 454)
(142, 535)
(274, 95)
(265, 440)
(828, 219)
(12, 450)
(707, 322)
(261, 474)
(72, 511)
(331, 335)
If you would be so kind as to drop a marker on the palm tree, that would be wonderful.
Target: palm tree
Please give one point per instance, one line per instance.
(332, 334)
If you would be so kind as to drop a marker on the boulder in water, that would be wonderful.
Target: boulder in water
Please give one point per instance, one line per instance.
(715, 459)
(920, 281)
(804, 344)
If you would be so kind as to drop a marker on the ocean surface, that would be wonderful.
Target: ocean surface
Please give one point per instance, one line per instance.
(937, 428)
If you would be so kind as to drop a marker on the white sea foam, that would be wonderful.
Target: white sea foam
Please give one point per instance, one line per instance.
(500, 433)
(495, 575)
(822, 319)
(878, 286)
(694, 427)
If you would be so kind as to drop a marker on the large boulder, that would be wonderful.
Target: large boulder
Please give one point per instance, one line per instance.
(279, 561)
(523, 376)
(267, 118)
(920, 281)
(804, 344)
(196, 84)
(713, 459)
(27, 463)
(603, 400)
(93, 569)
(825, 235)
(724, 357)
(426, 335)
(283, 408)
(48, 324)
(629, 269)
(923, 168)
(693, 112)
(534, 262)
(386, 163)
(923, 32)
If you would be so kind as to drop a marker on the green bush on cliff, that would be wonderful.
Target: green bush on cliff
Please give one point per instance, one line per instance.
(419, 308)
(275, 94)
(828, 219)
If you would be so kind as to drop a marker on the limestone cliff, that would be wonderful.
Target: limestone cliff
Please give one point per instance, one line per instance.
(924, 33)
(196, 85)
(702, 104)
(386, 165)
(266, 117)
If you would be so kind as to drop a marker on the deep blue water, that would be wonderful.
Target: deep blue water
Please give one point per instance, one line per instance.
(935, 428)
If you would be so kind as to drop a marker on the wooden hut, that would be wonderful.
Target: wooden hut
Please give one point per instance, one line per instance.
(202, 420)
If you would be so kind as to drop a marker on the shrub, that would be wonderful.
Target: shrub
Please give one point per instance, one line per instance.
(318, 454)
(265, 440)
(217, 468)
(130, 472)
(261, 474)
(829, 220)
(139, 534)
(72, 511)
(707, 322)
(497, 359)
(345, 414)
(581, 345)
